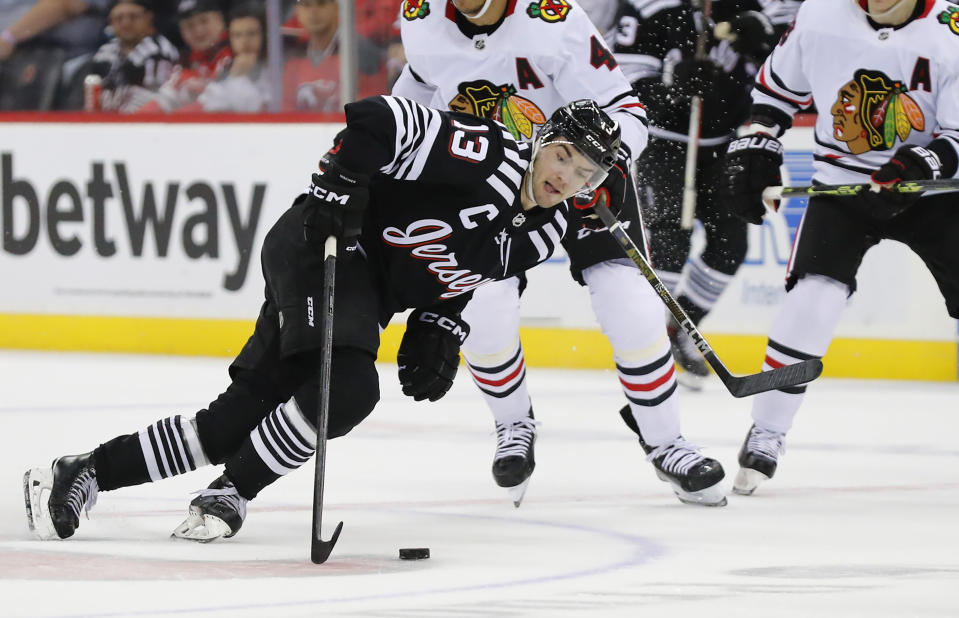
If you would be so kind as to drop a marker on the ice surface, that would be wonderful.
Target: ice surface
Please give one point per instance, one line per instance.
(860, 520)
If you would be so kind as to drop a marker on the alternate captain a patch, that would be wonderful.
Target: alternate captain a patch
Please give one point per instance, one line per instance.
(549, 10)
(871, 110)
(415, 9)
(950, 17)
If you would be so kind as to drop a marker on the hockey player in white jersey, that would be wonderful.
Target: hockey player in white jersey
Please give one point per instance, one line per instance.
(883, 75)
(516, 63)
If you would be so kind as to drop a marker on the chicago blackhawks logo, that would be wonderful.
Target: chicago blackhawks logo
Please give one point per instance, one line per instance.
(871, 110)
(950, 17)
(415, 9)
(500, 103)
(549, 10)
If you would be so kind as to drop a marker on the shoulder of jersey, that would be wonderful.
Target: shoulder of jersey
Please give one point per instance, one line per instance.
(945, 18)
(414, 12)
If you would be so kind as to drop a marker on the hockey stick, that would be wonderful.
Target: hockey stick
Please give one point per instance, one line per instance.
(738, 386)
(910, 186)
(320, 549)
(695, 123)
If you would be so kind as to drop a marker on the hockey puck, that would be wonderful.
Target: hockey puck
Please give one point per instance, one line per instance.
(414, 553)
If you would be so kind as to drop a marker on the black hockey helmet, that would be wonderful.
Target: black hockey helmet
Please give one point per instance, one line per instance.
(589, 129)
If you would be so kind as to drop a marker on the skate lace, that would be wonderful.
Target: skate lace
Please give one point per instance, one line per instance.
(514, 439)
(677, 456)
(769, 444)
(227, 496)
(82, 495)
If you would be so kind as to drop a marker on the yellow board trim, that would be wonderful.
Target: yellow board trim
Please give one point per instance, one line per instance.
(545, 347)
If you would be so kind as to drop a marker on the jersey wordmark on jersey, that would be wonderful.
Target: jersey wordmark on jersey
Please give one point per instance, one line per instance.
(876, 88)
(461, 224)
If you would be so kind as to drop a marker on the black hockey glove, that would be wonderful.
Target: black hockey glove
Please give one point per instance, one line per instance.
(430, 354)
(610, 194)
(752, 163)
(335, 203)
(909, 163)
(751, 35)
(694, 77)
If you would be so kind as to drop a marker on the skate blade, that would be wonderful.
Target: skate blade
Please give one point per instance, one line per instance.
(201, 528)
(710, 496)
(747, 480)
(37, 484)
(517, 492)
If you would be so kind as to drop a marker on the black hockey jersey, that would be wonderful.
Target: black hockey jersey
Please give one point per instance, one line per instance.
(460, 224)
(653, 35)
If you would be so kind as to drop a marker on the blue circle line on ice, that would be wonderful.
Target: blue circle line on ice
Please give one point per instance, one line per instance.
(641, 551)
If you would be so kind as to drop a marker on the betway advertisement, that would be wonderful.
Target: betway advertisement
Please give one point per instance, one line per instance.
(162, 220)
(167, 220)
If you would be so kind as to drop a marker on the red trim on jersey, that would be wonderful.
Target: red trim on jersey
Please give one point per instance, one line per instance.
(650, 385)
(632, 105)
(508, 378)
(804, 120)
(762, 80)
(775, 364)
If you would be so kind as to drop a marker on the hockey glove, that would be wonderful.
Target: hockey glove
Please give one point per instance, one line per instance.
(909, 163)
(430, 354)
(751, 35)
(752, 163)
(693, 77)
(610, 194)
(335, 203)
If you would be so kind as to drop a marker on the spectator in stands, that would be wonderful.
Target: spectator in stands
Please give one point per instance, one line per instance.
(244, 85)
(311, 82)
(76, 26)
(203, 28)
(137, 61)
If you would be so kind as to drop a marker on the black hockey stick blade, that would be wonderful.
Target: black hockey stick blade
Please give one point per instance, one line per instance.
(320, 550)
(783, 377)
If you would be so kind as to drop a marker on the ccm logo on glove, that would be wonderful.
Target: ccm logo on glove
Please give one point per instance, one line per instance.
(328, 196)
(455, 328)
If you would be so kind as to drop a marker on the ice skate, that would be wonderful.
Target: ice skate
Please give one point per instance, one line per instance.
(513, 462)
(55, 496)
(217, 512)
(758, 458)
(694, 369)
(693, 477)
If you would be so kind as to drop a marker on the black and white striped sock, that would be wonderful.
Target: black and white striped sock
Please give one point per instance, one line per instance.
(171, 446)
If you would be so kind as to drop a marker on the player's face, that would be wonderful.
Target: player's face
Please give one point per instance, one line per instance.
(560, 171)
(246, 36)
(203, 30)
(468, 7)
(130, 22)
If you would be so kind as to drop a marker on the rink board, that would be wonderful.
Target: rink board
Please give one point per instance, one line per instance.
(149, 242)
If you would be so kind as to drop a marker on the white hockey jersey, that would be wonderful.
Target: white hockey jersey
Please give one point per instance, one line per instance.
(875, 88)
(542, 55)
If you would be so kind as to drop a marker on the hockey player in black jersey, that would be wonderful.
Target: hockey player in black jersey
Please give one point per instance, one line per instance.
(655, 44)
(427, 206)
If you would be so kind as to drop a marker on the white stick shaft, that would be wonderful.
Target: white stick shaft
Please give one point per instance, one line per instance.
(692, 154)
